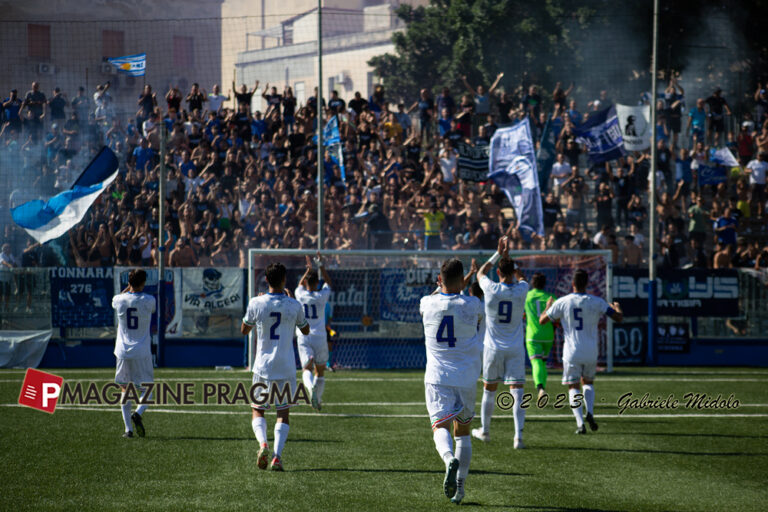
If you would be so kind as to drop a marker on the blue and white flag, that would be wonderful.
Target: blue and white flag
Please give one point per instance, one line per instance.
(601, 133)
(545, 158)
(712, 174)
(332, 141)
(723, 156)
(45, 221)
(512, 166)
(133, 65)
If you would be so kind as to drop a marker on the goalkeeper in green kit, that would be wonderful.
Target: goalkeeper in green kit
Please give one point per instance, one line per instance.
(538, 338)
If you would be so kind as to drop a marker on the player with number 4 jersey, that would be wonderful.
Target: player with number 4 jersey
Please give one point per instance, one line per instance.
(313, 348)
(454, 353)
(133, 346)
(579, 313)
(504, 347)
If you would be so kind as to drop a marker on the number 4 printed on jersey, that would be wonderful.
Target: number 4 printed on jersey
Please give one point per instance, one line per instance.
(445, 331)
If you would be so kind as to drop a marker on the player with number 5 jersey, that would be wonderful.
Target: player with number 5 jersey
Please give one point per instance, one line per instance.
(454, 352)
(313, 348)
(275, 316)
(579, 313)
(133, 346)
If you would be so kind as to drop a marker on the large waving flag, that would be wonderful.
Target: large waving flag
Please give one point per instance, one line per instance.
(45, 221)
(723, 156)
(601, 134)
(512, 165)
(133, 65)
(332, 141)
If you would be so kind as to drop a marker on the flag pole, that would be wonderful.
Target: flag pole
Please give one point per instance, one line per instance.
(161, 251)
(320, 156)
(652, 318)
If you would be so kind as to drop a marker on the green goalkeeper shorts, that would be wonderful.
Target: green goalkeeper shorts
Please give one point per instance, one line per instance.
(538, 349)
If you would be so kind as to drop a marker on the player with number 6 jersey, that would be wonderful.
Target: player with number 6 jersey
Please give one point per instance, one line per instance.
(133, 346)
(454, 352)
(275, 316)
(313, 348)
(579, 313)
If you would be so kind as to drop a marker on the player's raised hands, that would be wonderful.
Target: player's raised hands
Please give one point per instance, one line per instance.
(549, 302)
(473, 267)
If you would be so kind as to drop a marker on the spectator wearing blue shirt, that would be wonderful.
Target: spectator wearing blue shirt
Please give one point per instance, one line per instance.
(11, 107)
(426, 110)
(482, 97)
(683, 172)
(143, 155)
(445, 100)
(725, 228)
(697, 118)
(258, 126)
(444, 122)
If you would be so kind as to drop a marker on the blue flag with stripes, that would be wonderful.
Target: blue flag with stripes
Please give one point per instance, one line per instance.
(133, 65)
(47, 220)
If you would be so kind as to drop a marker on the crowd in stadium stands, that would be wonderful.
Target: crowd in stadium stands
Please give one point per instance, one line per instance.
(239, 179)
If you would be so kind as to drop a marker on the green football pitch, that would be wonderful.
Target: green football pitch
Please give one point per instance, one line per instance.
(371, 448)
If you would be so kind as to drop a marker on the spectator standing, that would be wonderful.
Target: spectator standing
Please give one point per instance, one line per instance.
(35, 102)
(718, 107)
(757, 170)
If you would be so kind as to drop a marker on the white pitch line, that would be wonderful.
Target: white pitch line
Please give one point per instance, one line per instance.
(421, 416)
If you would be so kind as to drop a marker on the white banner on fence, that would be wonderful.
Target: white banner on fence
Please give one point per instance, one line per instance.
(636, 129)
(213, 290)
(172, 296)
(23, 349)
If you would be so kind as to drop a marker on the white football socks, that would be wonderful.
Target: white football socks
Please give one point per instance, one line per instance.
(143, 407)
(577, 412)
(518, 412)
(126, 410)
(589, 397)
(308, 379)
(443, 443)
(259, 425)
(319, 387)
(486, 409)
(281, 435)
(464, 454)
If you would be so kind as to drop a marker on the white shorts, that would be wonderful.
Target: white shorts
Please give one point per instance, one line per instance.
(136, 370)
(268, 397)
(313, 346)
(445, 403)
(504, 365)
(573, 372)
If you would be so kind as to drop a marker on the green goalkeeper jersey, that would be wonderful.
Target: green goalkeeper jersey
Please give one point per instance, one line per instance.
(535, 304)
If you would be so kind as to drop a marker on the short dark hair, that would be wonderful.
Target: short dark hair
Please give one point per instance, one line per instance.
(452, 272)
(580, 280)
(507, 266)
(136, 278)
(539, 281)
(475, 290)
(312, 278)
(275, 274)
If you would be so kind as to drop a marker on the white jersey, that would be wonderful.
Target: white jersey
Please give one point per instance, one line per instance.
(454, 343)
(579, 314)
(314, 307)
(504, 308)
(134, 318)
(275, 316)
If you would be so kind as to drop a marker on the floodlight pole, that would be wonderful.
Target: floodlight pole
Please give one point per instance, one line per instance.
(652, 318)
(320, 155)
(161, 251)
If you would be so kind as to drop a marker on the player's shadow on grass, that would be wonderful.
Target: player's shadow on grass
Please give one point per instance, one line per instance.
(409, 471)
(666, 452)
(681, 434)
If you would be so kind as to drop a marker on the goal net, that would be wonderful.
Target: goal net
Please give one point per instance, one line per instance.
(374, 305)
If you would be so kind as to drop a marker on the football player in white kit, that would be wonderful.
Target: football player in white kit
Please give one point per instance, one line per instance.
(133, 345)
(275, 316)
(504, 344)
(313, 348)
(454, 359)
(579, 314)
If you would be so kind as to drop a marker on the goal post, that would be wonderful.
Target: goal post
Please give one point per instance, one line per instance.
(375, 296)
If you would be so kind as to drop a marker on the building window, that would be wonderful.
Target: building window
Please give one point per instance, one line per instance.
(39, 41)
(112, 43)
(183, 52)
(298, 91)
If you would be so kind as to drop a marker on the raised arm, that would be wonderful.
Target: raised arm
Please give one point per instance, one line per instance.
(472, 272)
(323, 272)
(615, 312)
(466, 84)
(544, 317)
(495, 83)
(501, 251)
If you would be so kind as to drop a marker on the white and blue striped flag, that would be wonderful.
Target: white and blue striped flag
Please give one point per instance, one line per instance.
(46, 220)
(133, 65)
